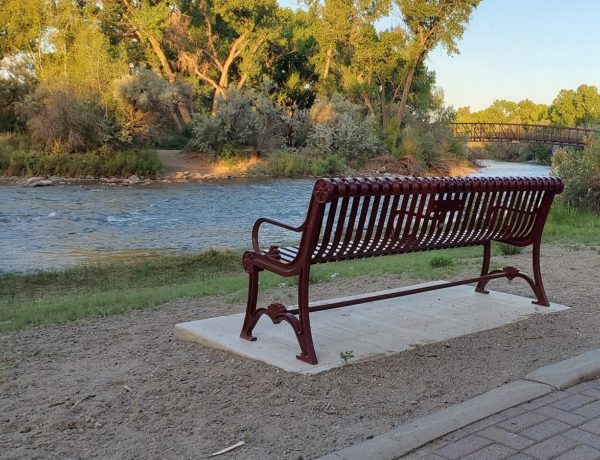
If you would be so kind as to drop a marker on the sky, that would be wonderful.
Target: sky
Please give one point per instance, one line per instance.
(518, 49)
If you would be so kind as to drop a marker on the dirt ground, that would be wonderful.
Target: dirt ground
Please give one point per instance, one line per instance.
(123, 387)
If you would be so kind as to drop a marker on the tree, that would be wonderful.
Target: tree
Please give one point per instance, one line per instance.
(429, 23)
(143, 27)
(576, 108)
(222, 42)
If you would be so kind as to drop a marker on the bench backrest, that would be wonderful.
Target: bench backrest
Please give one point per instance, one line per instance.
(364, 217)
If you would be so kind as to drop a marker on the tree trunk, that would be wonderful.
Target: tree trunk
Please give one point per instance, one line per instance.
(385, 108)
(182, 112)
(406, 92)
(328, 60)
(369, 104)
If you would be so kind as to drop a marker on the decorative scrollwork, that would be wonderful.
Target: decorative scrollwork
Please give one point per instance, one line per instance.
(511, 272)
(248, 261)
(322, 191)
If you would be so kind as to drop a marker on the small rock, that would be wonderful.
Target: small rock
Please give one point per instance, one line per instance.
(98, 425)
(134, 178)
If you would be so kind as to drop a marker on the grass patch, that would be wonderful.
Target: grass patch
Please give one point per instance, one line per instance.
(288, 164)
(99, 290)
(108, 288)
(506, 249)
(570, 225)
(441, 261)
(101, 163)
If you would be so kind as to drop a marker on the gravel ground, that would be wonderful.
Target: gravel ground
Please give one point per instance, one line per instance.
(123, 387)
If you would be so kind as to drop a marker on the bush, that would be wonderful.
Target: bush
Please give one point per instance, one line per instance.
(508, 249)
(149, 109)
(289, 164)
(340, 127)
(100, 163)
(441, 261)
(59, 121)
(424, 144)
(580, 170)
(242, 119)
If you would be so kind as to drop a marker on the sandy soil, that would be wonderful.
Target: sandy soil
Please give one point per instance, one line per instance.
(123, 387)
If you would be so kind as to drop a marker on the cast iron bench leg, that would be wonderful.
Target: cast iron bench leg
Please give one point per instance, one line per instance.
(485, 268)
(538, 289)
(251, 317)
(304, 334)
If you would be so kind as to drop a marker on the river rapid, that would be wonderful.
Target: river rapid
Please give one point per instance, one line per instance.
(45, 228)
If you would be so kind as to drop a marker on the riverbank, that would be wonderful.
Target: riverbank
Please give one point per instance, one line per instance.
(177, 166)
(113, 287)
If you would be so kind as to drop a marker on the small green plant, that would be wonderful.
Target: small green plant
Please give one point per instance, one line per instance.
(508, 249)
(441, 261)
(346, 356)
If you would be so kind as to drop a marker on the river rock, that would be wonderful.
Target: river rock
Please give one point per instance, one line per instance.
(134, 179)
(38, 182)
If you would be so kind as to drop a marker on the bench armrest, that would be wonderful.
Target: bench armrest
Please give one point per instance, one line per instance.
(266, 220)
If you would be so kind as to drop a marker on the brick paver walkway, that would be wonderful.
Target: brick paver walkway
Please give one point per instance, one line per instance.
(562, 425)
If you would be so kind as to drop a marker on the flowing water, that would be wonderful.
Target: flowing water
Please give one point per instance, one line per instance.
(52, 227)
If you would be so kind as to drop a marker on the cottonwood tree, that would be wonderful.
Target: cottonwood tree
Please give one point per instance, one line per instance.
(221, 42)
(429, 23)
(576, 108)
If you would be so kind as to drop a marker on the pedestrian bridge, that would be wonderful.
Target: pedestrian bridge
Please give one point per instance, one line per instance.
(515, 132)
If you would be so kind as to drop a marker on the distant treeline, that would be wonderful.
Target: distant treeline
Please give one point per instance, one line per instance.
(580, 107)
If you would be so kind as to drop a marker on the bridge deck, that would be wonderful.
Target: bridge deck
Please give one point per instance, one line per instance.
(514, 132)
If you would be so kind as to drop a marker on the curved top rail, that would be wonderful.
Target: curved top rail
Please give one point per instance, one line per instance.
(326, 190)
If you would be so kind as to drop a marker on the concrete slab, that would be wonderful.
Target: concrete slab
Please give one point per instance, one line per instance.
(371, 329)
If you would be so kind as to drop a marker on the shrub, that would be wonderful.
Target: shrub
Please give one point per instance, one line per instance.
(580, 170)
(508, 249)
(150, 109)
(290, 164)
(441, 261)
(100, 163)
(242, 119)
(340, 127)
(59, 121)
(424, 144)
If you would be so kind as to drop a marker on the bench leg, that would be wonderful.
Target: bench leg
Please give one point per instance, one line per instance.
(304, 334)
(538, 287)
(485, 268)
(251, 317)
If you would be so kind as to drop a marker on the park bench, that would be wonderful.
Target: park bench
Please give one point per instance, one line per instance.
(355, 218)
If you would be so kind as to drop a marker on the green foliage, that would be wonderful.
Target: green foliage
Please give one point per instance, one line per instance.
(99, 163)
(346, 356)
(147, 107)
(507, 249)
(242, 119)
(292, 164)
(424, 144)
(576, 108)
(441, 261)
(580, 170)
(339, 127)
(57, 120)
(503, 111)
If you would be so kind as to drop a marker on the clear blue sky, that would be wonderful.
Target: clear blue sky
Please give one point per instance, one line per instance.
(517, 49)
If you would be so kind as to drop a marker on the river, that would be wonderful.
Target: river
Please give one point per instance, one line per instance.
(52, 227)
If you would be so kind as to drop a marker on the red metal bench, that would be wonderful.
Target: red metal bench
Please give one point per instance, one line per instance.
(367, 217)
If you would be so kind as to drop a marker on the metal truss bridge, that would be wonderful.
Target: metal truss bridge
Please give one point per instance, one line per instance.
(514, 132)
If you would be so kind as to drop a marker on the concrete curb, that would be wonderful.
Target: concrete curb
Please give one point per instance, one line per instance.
(408, 437)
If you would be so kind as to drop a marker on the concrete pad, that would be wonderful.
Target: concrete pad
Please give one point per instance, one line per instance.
(406, 438)
(568, 372)
(371, 329)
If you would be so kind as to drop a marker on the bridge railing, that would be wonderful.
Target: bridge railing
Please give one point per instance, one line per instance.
(515, 132)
